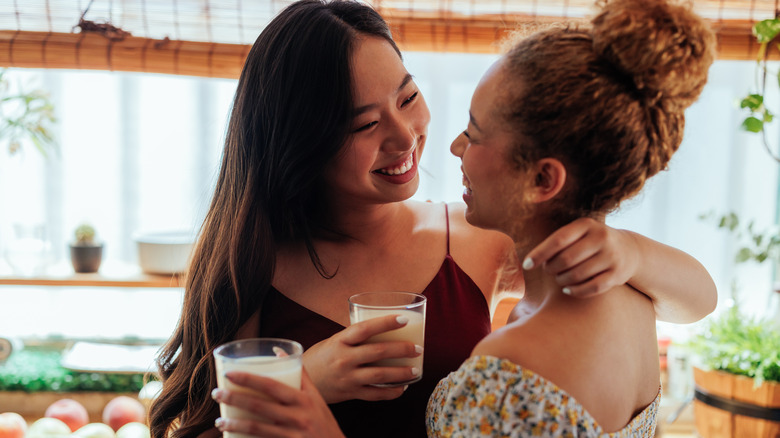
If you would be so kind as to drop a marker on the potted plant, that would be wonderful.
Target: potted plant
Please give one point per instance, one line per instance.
(737, 377)
(736, 358)
(85, 252)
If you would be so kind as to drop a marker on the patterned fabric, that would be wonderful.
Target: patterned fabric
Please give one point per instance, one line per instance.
(492, 397)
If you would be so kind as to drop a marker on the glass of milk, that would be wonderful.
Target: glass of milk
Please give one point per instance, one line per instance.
(278, 359)
(410, 305)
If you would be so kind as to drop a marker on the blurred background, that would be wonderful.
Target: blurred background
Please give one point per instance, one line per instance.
(139, 93)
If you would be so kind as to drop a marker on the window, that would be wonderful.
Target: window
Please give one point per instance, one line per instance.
(140, 152)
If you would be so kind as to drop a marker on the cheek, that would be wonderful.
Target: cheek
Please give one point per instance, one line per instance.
(422, 116)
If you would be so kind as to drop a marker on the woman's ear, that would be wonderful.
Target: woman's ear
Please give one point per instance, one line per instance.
(549, 178)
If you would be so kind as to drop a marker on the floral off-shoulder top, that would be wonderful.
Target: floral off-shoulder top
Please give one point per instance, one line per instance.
(492, 397)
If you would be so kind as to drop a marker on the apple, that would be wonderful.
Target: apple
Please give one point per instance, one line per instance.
(122, 410)
(47, 427)
(133, 430)
(71, 412)
(94, 430)
(12, 425)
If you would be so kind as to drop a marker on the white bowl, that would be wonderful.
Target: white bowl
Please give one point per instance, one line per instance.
(164, 252)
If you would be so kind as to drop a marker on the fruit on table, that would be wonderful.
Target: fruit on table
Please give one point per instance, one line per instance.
(133, 430)
(12, 425)
(71, 412)
(48, 428)
(122, 410)
(94, 430)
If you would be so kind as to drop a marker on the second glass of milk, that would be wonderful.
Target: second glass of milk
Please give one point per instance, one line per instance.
(278, 359)
(410, 305)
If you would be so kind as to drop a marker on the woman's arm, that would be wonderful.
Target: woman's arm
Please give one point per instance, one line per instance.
(588, 257)
(680, 287)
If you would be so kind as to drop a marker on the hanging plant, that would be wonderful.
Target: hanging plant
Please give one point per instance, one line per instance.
(25, 116)
(754, 245)
(765, 32)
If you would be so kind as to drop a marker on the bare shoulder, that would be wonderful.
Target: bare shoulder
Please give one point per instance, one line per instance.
(480, 253)
(524, 345)
(586, 346)
(546, 347)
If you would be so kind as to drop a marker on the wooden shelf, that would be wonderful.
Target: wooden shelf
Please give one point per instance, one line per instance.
(111, 274)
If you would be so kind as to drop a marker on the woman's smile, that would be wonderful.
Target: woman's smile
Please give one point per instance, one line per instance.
(400, 172)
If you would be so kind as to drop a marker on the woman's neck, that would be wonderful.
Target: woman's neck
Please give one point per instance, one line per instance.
(371, 224)
(541, 289)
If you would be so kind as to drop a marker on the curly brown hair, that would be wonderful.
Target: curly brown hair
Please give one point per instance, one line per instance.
(608, 100)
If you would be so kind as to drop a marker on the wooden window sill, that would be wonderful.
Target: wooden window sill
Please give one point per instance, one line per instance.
(111, 274)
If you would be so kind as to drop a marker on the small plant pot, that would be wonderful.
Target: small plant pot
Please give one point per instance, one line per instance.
(86, 258)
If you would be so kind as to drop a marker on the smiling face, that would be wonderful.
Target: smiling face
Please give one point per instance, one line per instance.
(389, 129)
(494, 185)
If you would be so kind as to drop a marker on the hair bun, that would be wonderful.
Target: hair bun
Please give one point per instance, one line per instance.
(666, 48)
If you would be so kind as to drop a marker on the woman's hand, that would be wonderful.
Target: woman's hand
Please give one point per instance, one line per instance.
(337, 365)
(587, 257)
(287, 412)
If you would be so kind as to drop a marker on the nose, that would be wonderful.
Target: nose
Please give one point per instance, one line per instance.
(402, 134)
(458, 145)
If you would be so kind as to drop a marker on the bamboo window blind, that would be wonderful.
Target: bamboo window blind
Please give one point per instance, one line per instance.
(212, 37)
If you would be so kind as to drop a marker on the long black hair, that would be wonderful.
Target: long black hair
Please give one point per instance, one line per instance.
(291, 116)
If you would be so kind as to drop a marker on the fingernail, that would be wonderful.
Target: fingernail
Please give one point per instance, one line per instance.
(405, 386)
(279, 351)
(233, 377)
(528, 263)
(216, 394)
(219, 423)
(566, 290)
(415, 371)
(402, 319)
(418, 349)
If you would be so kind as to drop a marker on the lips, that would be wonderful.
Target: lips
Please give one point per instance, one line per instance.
(466, 184)
(398, 168)
(400, 172)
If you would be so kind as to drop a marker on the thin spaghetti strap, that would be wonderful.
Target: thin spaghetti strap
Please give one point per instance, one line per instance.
(447, 221)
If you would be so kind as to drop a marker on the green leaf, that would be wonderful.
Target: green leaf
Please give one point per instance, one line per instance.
(752, 101)
(730, 221)
(743, 255)
(752, 124)
(768, 117)
(766, 30)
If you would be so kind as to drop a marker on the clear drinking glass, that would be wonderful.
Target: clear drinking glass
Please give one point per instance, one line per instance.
(278, 359)
(410, 305)
(27, 252)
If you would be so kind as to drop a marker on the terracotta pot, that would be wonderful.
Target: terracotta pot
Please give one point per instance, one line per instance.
(86, 258)
(722, 397)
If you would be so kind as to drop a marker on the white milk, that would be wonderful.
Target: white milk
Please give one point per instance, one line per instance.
(286, 371)
(413, 331)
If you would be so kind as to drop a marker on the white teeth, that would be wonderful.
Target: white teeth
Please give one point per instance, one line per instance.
(405, 167)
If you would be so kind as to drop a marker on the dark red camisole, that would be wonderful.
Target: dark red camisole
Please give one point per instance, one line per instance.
(457, 317)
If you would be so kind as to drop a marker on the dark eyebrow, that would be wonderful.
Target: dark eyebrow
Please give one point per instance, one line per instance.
(361, 109)
(474, 122)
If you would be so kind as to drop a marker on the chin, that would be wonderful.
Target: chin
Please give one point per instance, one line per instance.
(472, 218)
(412, 187)
(476, 220)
